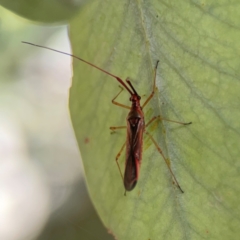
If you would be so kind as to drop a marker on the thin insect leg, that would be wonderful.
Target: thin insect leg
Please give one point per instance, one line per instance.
(160, 151)
(160, 118)
(117, 157)
(119, 104)
(116, 128)
(154, 87)
(120, 127)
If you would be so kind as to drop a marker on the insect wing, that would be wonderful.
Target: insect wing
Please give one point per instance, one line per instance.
(135, 129)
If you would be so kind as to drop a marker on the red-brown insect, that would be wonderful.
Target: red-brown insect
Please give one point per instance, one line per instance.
(135, 128)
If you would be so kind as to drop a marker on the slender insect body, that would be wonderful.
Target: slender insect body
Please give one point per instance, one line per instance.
(135, 130)
(136, 127)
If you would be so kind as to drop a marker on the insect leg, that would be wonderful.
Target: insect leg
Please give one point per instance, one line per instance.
(116, 128)
(160, 118)
(154, 87)
(166, 161)
(119, 104)
(117, 157)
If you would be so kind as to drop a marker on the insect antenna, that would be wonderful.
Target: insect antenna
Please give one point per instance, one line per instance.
(102, 70)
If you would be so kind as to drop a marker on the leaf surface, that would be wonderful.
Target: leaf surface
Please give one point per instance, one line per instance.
(197, 43)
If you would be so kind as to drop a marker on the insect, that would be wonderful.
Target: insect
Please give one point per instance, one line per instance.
(136, 127)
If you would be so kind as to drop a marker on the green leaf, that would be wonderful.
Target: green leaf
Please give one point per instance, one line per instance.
(46, 11)
(197, 43)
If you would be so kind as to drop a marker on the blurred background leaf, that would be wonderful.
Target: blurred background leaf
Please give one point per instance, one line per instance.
(44, 11)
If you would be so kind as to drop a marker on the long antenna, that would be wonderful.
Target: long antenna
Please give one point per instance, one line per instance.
(71, 55)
